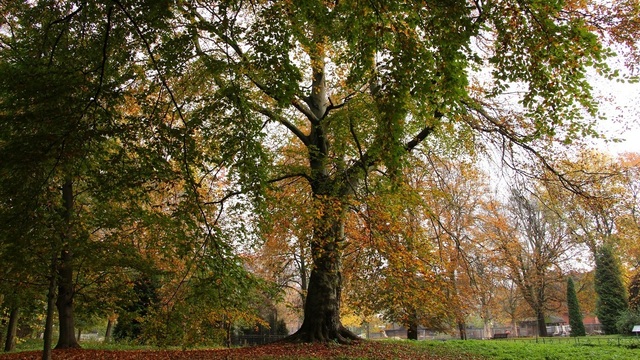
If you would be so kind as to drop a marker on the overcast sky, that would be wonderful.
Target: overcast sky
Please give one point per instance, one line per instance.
(620, 103)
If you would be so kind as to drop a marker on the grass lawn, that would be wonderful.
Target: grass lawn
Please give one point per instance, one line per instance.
(551, 349)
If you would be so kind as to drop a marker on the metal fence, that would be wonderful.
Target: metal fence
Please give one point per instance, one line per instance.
(251, 340)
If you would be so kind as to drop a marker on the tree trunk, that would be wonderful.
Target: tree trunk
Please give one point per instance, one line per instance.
(303, 275)
(51, 296)
(412, 331)
(64, 303)
(107, 334)
(10, 343)
(66, 291)
(486, 329)
(322, 307)
(412, 324)
(462, 329)
(542, 326)
(79, 335)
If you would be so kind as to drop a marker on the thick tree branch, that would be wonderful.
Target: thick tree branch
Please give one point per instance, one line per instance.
(296, 103)
(280, 119)
(426, 131)
(290, 176)
(344, 102)
(368, 160)
(304, 109)
(519, 141)
(105, 49)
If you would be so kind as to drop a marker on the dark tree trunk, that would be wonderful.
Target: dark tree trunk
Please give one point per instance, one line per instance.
(79, 334)
(64, 303)
(66, 291)
(51, 296)
(462, 329)
(412, 331)
(322, 307)
(107, 334)
(10, 343)
(542, 326)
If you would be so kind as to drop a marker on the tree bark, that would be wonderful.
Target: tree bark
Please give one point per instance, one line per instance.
(51, 295)
(64, 303)
(486, 329)
(66, 291)
(10, 343)
(322, 307)
(412, 331)
(107, 334)
(462, 329)
(542, 326)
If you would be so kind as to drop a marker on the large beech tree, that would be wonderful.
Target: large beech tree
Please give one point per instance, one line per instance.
(358, 85)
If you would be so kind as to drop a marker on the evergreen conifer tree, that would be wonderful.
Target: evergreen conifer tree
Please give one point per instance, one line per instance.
(612, 295)
(575, 315)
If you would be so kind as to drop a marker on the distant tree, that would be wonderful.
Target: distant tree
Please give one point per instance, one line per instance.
(634, 292)
(129, 325)
(631, 317)
(534, 259)
(575, 315)
(612, 295)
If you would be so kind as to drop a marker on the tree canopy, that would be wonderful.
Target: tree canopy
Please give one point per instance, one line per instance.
(160, 133)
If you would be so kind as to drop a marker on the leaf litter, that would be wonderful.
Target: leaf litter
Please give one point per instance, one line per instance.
(359, 350)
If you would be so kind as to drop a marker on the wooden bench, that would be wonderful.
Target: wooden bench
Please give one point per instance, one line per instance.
(500, 336)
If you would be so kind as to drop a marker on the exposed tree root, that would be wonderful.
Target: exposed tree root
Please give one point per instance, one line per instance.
(341, 336)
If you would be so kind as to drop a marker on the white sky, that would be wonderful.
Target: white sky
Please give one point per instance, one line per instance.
(620, 103)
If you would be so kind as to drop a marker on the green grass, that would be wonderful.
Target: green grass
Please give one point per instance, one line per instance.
(544, 349)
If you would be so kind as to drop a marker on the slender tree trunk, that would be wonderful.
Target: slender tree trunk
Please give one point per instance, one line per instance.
(51, 296)
(107, 334)
(412, 324)
(303, 275)
(10, 343)
(542, 325)
(462, 329)
(64, 303)
(66, 290)
(412, 331)
(79, 335)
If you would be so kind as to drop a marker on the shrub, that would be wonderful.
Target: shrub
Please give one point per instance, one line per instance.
(627, 320)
